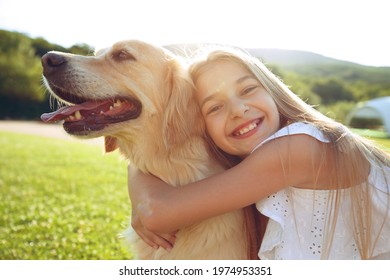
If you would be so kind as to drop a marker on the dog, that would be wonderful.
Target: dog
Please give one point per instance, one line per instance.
(140, 98)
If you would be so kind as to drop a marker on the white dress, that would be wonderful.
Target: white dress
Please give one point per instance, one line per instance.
(297, 217)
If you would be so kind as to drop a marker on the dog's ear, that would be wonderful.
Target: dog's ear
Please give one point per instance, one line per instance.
(110, 144)
(182, 118)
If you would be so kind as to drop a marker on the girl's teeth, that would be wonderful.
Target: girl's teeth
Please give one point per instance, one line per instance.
(247, 129)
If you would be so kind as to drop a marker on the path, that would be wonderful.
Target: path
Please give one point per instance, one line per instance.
(42, 129)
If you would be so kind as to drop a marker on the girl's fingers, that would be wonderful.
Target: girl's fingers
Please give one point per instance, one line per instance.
(148, 241)
(155, 240)
(168, 238)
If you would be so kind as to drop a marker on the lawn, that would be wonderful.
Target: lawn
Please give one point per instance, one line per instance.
(379, 137)
(61, 200)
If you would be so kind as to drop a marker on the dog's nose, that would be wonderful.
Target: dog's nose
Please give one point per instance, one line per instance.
(51, 62)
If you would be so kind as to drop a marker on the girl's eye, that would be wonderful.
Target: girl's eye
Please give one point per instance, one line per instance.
(248, 90)
(214, 109)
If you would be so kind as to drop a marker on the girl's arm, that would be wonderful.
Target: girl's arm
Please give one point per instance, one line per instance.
(153, 239)
(287, 161)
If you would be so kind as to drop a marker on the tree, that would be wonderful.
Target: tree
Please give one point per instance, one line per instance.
(82, 49)
(21, 93)
(332, 90)
(41, 46)
(301, 86)
(20, 69)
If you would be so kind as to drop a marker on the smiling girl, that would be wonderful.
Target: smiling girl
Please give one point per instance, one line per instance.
(324, 190)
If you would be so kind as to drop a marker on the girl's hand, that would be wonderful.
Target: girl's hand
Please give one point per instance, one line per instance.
(153, 239)
(138, 186)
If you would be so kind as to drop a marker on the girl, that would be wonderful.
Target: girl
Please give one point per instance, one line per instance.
(324, 189)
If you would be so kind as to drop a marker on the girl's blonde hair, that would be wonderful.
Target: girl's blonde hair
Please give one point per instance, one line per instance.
(351, 153)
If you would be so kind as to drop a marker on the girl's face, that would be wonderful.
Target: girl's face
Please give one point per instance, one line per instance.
(238, 111)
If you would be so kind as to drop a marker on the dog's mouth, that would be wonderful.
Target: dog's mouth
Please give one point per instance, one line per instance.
(94, 115)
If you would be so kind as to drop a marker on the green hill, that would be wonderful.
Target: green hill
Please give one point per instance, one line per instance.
(316, 65)
(308, 64)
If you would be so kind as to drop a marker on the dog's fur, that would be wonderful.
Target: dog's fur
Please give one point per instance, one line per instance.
(165, 139)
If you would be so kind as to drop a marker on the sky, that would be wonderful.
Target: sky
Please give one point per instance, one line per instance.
(351, 30)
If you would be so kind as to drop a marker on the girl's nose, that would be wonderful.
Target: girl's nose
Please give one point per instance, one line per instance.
(238, 110)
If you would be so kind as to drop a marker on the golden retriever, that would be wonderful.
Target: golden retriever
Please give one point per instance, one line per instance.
(140, 97)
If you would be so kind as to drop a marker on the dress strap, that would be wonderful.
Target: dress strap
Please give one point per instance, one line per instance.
(296, 128)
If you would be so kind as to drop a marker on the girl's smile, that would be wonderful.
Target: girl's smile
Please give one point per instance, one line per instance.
(247, 129)
(238, 111)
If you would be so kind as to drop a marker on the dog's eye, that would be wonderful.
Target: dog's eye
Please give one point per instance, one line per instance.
(122, 55)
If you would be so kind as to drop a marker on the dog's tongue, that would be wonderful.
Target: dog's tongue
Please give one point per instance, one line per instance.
(67, 111)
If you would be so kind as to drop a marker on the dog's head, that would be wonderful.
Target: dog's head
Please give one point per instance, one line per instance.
(123, 91)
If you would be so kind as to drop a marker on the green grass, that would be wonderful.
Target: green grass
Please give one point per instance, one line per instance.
(379, 137)
(61, 200)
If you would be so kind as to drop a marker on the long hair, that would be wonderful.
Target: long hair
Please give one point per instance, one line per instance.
(351, 153)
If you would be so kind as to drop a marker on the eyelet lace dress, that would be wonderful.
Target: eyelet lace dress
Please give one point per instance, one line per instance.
(298, 217)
